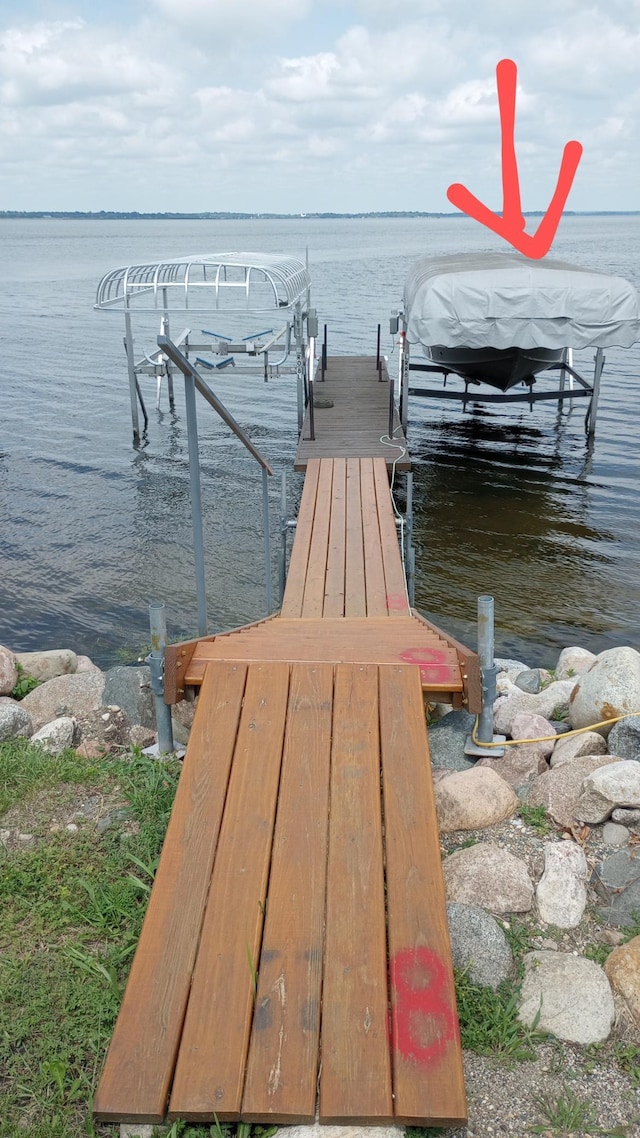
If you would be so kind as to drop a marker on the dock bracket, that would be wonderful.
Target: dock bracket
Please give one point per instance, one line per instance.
(486, 744)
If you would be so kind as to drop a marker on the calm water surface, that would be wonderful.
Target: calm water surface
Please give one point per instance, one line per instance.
(511, 503)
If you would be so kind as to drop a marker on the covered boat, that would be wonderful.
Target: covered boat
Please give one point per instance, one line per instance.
(500, 318)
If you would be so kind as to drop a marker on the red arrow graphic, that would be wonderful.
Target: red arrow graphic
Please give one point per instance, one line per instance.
(510, 224)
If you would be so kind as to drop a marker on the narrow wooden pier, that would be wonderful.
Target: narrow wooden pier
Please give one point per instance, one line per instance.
(294, 961)
(359, 419)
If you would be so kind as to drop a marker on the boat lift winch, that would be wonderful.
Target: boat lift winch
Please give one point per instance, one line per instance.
(272, 290)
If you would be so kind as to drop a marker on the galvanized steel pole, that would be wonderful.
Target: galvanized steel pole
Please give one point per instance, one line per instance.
(196, 500)
(155, 660)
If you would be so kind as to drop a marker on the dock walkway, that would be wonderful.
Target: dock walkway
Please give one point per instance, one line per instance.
(294, 959)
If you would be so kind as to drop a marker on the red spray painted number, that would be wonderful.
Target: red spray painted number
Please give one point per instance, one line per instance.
(432, 661)
(510, 224)
(424, 1022)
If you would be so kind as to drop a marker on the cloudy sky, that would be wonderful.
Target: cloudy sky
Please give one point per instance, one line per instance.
(311, 105)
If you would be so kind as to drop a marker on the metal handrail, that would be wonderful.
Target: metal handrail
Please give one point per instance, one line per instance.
(187, 369)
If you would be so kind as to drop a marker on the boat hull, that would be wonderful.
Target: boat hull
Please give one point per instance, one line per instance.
(500, 368)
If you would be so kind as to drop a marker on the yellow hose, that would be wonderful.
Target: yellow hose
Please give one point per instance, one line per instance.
(550, 738)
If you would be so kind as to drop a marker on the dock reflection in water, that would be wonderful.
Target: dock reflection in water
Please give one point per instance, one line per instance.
(507, 508)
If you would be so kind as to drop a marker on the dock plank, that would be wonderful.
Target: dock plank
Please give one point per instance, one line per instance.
(376, 592)
(282, 1071)
(139, 1066)
(314, 583)
(296, 577)
(334, 586)
(209, 1076)
(395, 583)
(355, 603)
(427, 1061)
(355, 1081)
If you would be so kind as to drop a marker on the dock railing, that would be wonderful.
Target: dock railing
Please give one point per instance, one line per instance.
(194, 382)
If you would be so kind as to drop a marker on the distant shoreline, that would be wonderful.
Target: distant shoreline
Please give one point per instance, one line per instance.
(117, 215)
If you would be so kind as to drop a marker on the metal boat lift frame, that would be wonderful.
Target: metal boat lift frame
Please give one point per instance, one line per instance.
(578, 387)
(204, 284)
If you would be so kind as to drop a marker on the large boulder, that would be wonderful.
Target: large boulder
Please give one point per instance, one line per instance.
(130, 689)
(589, 743)
(570, 994)
(8, 671)
(572, 662)
(46, 665)
(611, 687)
(76, 695)
(617, 882)
(562, 890)
(528, 725)
(623, 970)
(559, 789)
(549, 703)
(519, 765)
(56, 736)
(607, 788)
(488, 876)
(14, 719)
(478, 945)
(447, 738)
(472, 800)
(624, 738)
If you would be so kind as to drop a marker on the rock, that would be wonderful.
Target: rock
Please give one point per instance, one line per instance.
(562, 892)
(506, 665)
(141, 736)
(130, 689)
(184, 711)
(617, 784)
(478, 944)
(626, 817)
(14, 719)
(79, 695)
(519, 765)
(572, 662)
(91, 749)
(471, 800)
(56, 736)
(45, 665)
(85, 664)
(617, 882)
(8, 671)
(531, 726)
(590, 743)
(180, 733)
(558, 790)
(611, 687)
(488, 876)
(614, 834)
(624, 738)
(623, 970)
(447, 739)
(529, 681)
(572, 995)
(554, 699)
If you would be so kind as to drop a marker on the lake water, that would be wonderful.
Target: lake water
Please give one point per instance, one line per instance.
(507, 502)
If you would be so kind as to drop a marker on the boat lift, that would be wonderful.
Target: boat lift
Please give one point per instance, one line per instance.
(210, 288)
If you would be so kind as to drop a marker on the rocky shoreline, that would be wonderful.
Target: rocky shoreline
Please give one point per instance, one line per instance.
(545, 838)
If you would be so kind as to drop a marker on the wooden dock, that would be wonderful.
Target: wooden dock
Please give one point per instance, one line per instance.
(294, 961)
(359, 418)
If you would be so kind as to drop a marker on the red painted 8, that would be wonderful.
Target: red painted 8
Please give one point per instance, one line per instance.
(423, 1021)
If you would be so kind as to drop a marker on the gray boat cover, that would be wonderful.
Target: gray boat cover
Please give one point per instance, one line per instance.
(504, 300)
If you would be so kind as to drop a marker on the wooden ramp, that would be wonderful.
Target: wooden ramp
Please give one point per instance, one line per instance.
(359, 417)
(295, 952)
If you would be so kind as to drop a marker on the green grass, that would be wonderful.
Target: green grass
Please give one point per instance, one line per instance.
(566, 1114)
(536, 818)
(489, 1023)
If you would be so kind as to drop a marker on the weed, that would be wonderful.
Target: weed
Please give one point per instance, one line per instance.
(24, 684)
(627, 1056)
(489, 1021)
(597, 952)
(567, 1114)
(519, 936)
(536, 818)
(632, 930)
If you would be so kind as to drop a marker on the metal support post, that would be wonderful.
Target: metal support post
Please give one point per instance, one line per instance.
(267, 538)
(592, 413)
(378, 350)
(196, 500)
(324, 351)
(410, 567)
(282, 559)
(391, 408)
(312, 425)
(165, 330)
(133, 383)
(155, 660)
(403, 381)
(484, 728)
